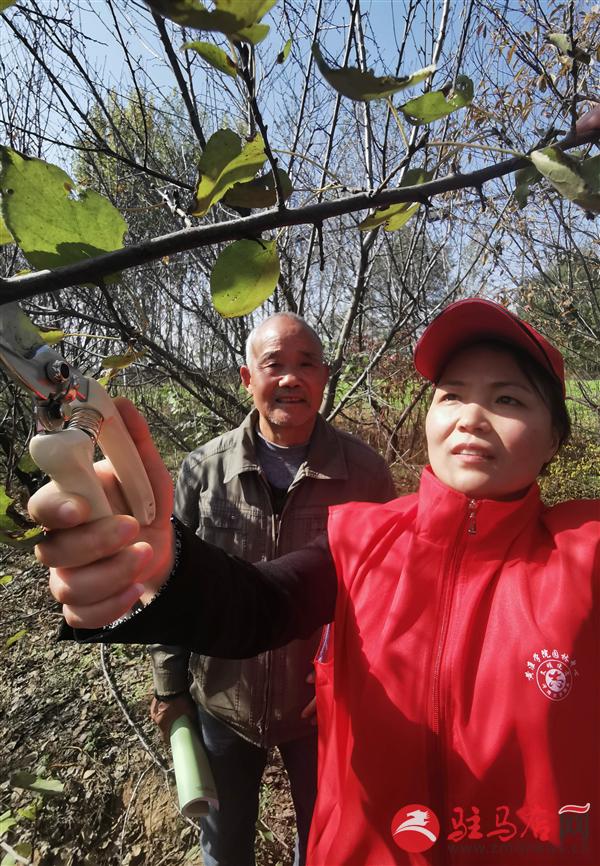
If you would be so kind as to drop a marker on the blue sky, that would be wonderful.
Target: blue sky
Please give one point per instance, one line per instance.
(384, 19)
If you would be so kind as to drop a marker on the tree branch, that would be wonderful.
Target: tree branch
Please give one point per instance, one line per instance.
(103, 146)
(250, 83)
(96, 269)
(183, 89)
(309, 65)
(326, 160)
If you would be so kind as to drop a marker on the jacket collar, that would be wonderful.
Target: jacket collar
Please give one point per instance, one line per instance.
(325, 460)
(443, 512)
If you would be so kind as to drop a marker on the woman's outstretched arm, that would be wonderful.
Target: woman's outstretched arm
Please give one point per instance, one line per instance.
(210, 602)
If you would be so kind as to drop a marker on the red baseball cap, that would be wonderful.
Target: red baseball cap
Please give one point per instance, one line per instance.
(475, 319)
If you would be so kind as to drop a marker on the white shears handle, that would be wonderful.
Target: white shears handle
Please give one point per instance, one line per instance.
(68, 456)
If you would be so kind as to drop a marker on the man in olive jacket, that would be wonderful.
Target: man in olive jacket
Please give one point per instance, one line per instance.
(260, 491)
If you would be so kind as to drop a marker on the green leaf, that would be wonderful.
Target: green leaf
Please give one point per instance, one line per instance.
(392, 217)
(51, 338)
(190, 13)
(560, 41)
(395, 216)
(5, 503)
(259, 192)
(249, 11)
(439, 103)
(10, 531)
(5, 581)
(283, 54)
(213, 55)
(236, 19)
(6, 822)
(23, 849)
(254, 34)
(576, 181)
(15, 637)
(524, 179)
(29, 813)
(4, 4)
(590, 170)
(224, 162)
(54, 223)
(30, 782)
(562, 170)
(120, 362)
(21, 539)
(565, 47)
(244, 275)
(27, 464)
(5, 235)
(359, 85)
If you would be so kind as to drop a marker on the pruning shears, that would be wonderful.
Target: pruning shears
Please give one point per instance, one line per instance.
(74, 413)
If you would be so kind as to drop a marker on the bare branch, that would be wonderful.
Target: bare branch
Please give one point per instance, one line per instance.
(332, 127)
(183, 88)
(249, 81)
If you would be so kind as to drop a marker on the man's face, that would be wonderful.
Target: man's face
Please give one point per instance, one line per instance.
(488, 430)
(286, 378)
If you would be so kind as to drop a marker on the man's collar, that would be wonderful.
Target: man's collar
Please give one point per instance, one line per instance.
(325, 459)
(242, 456)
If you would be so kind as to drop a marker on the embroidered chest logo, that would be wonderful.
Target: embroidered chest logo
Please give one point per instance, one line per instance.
(553, 672)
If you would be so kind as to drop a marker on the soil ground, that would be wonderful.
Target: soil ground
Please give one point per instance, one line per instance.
(60, 719)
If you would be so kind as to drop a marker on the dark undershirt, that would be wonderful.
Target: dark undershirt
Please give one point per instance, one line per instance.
(280, 466)
(278, 497)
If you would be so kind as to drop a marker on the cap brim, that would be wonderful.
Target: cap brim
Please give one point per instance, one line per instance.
(475, 319)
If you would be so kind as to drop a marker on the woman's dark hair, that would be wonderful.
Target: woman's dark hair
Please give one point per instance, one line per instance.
(549, 389)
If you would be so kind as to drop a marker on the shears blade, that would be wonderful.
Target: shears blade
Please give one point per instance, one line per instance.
(18, 331)
(77, 411)
(27, 357)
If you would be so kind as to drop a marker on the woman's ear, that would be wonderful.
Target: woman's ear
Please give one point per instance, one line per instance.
(556, 443)
(552, 451)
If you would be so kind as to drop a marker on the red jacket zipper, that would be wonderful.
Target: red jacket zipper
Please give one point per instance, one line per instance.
(438, 764)
(446, 606)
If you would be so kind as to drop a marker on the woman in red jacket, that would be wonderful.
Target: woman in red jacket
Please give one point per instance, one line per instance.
(458, 686)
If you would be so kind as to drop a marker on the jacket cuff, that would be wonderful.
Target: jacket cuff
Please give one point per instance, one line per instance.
(165, 698)
(170, 682)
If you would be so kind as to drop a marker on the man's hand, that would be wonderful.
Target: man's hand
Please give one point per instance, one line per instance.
(310, 710)
(99, 570)
(164, 713)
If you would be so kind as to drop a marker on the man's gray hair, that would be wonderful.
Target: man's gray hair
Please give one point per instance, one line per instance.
(288, 315)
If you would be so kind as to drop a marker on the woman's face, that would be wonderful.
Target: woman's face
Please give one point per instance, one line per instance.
(488, 430)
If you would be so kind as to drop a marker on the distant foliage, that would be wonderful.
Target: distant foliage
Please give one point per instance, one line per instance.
(575, 473)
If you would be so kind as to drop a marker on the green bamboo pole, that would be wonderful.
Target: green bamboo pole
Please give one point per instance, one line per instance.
(195, 784)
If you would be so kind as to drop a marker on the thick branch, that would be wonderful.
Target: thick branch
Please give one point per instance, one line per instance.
(94, 270)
